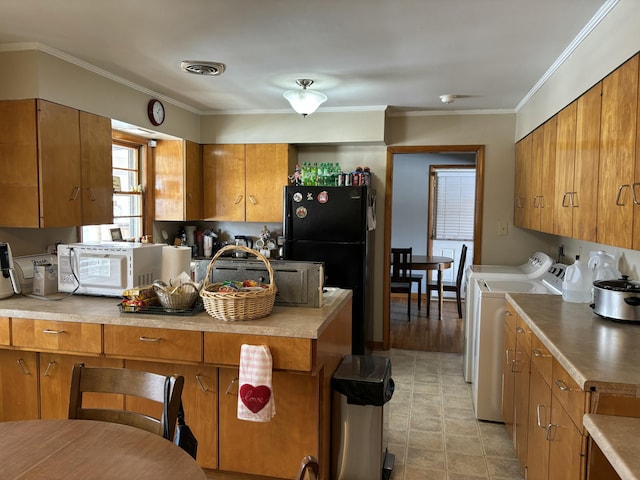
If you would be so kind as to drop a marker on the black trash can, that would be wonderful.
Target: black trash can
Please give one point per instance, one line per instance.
(361, 385)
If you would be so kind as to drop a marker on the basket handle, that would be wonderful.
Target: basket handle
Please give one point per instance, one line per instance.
(229, 248)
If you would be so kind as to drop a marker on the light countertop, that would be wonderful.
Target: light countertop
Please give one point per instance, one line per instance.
(596, 352)
(617, 437)
(296, 322)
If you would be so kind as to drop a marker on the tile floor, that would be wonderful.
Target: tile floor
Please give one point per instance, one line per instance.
(432, 430)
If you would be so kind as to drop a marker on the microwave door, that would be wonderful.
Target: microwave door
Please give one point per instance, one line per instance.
(102, 270)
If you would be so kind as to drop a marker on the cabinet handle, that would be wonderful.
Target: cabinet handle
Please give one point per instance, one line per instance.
(228, 392)
(561, 385)
(22, 367)
(635, 197)
(202, 387)
(52, 332)
(150, 339)
(74, 193)
(46, 370)
(508, 313)
(564, 197)
(238, 200)
(619, 196)
(92, 194)
(551, 428)
(252, 199)
(538, 408)
(574, 196)
(520, 330)
(538, 353)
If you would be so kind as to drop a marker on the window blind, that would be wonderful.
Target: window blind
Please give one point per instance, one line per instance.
(454, 199)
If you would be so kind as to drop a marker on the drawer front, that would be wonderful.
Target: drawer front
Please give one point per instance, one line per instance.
(57, 336)
(287, 353)
(541, 358)
(510, 317)
(153, 343)
(523, 335)
(5, 336)
(568, 393)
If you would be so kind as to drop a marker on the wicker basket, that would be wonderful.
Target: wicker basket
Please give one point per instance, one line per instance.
(241, 305)
(181, 297)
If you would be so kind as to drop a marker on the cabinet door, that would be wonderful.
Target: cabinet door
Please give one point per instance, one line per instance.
(200, 401)
(508, 379)
(97, 183)
(19, 158)
(274, 448)
(55, 384)
(193, 181)
(169, 184)
(18, 385)
(539, 418)
(617, 155)
(224, 182)
(547, 184)
(59, 162)
(586, 164)
(533, 207)
(521, 402)
(565, 166)
(566, 457)
(268, 167)
(522, 154)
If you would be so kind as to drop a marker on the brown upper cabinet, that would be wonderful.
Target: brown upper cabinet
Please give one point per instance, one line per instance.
(245, 182)
(57, 163)
(178, 180)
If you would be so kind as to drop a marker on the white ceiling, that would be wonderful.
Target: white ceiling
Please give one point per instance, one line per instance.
(361, 53)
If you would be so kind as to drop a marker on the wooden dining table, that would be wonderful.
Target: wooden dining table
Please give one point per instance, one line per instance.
(428, 263)
(89, 450)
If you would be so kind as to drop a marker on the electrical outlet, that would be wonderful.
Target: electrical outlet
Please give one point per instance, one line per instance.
(503, 228)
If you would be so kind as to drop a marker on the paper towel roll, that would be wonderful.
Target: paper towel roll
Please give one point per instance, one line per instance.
(175, 260)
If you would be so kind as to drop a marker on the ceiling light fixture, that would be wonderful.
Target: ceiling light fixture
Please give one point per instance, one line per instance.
(305, 101)
(447, 98)
(203, 68)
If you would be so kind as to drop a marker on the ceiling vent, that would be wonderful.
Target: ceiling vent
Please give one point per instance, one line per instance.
(203, 68)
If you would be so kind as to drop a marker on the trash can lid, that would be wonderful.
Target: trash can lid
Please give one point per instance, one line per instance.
(364, 368)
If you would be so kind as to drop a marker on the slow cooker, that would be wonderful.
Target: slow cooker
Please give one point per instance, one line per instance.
(617, 299)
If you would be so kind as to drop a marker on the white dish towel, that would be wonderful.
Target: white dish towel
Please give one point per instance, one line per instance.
(255, 394)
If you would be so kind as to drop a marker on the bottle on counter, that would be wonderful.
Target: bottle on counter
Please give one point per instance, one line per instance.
(578, 282)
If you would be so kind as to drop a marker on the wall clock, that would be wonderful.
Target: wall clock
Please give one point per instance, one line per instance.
(155, 110)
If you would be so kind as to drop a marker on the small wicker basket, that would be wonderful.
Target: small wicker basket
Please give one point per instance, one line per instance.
(181, 297)
(241, 305)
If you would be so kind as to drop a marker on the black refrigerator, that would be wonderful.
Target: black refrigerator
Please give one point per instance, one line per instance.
(334, 225)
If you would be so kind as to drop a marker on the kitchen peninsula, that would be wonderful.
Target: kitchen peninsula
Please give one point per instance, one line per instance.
(41, 340)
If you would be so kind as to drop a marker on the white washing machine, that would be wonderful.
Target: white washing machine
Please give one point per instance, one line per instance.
(489, 336)
(534, 268)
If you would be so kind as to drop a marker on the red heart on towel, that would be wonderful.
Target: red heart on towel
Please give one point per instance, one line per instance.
(255, 398)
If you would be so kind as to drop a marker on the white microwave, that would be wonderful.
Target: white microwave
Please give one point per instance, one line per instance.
(107, 269)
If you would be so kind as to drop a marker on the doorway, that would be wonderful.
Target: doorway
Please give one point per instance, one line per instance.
(420, 235)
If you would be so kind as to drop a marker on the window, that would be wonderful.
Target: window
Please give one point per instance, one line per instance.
(454, 204)
(128, 218)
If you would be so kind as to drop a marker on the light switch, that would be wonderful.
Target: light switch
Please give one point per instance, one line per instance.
(503, 228)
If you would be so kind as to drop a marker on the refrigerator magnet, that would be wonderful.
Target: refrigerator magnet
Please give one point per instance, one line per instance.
(309, 197)
(297, 197)
(323, 197)
(301, 212)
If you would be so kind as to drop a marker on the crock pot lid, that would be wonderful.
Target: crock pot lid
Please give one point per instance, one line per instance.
(621, 285)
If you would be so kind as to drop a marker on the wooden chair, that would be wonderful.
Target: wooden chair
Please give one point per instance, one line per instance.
(451, 286)
(401, 276)
(309, 469)
(126, 382)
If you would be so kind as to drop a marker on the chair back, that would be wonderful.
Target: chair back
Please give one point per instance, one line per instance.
(401, 265)
(309, 469)
(125, 381)
(463, 259)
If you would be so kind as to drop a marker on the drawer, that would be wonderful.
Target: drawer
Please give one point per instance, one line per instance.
(510, 317)
(523, 334)
(287, 353)
(153, 343)
(5, 335)
(48, 335)
(569, 394)
(541, 358)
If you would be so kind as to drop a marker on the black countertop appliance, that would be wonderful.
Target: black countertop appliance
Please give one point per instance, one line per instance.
(334, 225)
